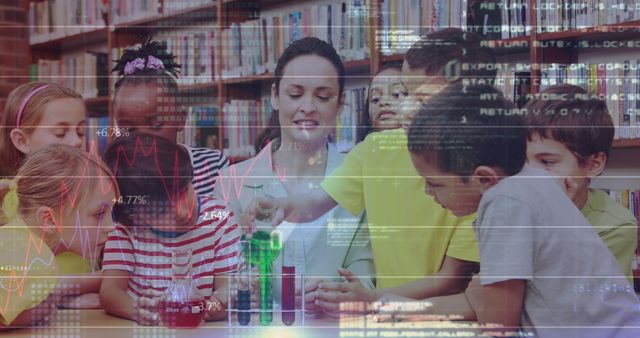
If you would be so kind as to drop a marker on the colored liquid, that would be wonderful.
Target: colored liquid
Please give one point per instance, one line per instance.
(288, 294)
(244, 305)
(182, 314)
(266, 283)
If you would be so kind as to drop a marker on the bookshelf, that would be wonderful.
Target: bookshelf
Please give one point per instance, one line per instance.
(117, 31)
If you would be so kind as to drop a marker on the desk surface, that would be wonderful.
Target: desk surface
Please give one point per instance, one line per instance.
(97, 324)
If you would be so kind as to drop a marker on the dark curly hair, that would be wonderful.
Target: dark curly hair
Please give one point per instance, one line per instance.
(167, 76)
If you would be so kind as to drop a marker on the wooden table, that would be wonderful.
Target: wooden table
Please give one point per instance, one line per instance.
(97, 324)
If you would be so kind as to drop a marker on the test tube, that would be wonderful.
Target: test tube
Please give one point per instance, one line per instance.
(289, 282)
(266, 282)
(244, 288)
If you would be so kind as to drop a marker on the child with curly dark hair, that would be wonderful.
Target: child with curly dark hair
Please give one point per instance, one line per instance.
(147, 100)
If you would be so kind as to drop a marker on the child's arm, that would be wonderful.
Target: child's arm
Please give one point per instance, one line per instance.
(395, 308)
(297, 209)
(116, 301)
(38, 315)
(497, 304)
(81, 291)
(81, 284)
(452, 278)
(217, 305)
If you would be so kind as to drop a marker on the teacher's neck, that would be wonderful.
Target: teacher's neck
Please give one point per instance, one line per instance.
(302, 160)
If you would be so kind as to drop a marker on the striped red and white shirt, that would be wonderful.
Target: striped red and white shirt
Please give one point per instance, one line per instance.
(214, 243)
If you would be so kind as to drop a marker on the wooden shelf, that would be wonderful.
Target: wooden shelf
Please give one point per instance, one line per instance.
(199, 87)
(353, 69)
(261, 3)
(357, 67)
(92, 36)
(248, 79)
(620, 31)
(95, 101)
(393, 58)
(626, 143)
(170, 20)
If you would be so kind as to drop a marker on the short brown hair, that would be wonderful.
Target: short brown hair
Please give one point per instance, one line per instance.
(436, 50)
(569, 115)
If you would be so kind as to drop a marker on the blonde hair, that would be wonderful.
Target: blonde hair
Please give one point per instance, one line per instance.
(54, 175)
(10, 156)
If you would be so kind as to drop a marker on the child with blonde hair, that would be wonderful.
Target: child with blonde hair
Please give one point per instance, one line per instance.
(38, 114)
(63, 210)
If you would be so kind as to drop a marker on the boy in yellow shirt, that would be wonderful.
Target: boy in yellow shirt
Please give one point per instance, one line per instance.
(581, 152)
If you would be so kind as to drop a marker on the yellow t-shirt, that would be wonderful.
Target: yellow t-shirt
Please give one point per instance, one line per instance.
(410, 233)
(616, 225)
(27, 270)
(68, 263)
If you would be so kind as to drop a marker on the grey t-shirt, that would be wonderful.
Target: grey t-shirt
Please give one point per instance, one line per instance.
(529, 229)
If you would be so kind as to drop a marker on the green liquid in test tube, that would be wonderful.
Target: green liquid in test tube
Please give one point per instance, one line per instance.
(266, 282)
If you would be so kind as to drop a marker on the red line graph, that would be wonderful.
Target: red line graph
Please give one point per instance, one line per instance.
(16, 281)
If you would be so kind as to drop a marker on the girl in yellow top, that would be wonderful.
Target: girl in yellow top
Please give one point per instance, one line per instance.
(63, 198)
(38, 114)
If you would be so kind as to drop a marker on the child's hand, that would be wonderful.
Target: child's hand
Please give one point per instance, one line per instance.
(267, 208)
(85, 301)
(331, 294)
(216, 306)
(394, 308)
(146, 308)
(243, 284)
(309, 294)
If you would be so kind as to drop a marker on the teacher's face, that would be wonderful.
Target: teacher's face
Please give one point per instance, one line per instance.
(308, 99)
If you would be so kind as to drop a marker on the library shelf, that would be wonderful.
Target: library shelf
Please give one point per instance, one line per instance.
(199, 87)
(97, 101)
(169, 20)
(87, 37)
(353, 69)
(626, 143)
(619, 31)
(249, 79)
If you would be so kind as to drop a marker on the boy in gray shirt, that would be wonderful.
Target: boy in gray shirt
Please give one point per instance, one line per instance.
(544, 271)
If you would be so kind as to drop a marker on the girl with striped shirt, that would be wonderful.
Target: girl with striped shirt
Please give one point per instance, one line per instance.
(147, 100)
(138, 255)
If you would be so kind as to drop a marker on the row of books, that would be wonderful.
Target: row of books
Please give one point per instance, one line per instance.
(201, 128)
(195, 51)
(501, 19)
(53, 19)
(242, 122)
(347, 122)
(630, 199)
(253, 47)
(85, 73)
(554, 15)
(402, 22)
(123, 11)
(97, 132)
(515, 85)
(616, 83)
